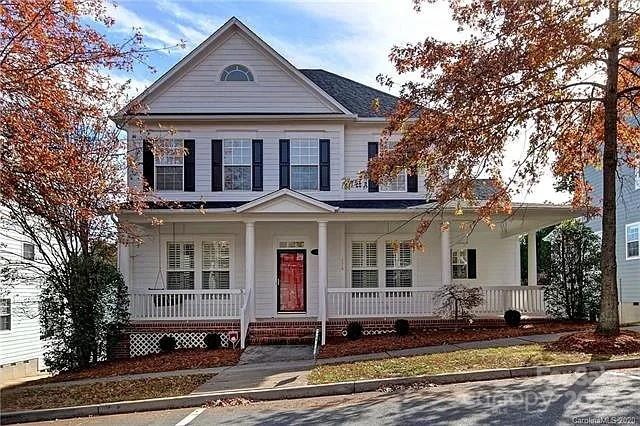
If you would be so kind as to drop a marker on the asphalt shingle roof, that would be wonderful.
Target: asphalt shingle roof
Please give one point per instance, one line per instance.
(356, 97)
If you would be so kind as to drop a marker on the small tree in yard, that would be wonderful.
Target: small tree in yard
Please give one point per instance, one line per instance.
(573, 291)
(565, 74)
(457, 301)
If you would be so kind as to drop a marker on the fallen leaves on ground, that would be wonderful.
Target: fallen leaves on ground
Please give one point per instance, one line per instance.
(449, 362)
(627, 342)
(229, 402)
(34, 398)
(341, 346)
(181, 359)
(412, 386)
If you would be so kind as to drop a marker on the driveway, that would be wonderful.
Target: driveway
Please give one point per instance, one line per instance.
(611, 396)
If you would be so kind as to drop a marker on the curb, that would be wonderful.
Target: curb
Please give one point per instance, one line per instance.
(342, 388)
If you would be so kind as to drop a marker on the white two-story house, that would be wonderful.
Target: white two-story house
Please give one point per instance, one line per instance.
(266, 242)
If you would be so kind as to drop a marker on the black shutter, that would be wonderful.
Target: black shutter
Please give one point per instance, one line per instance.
(284, 163)
(412, 180)
(147, 164)
(372, 152)
(325, 167)
(216, 165)
(471, 265)
(256, 165)
(190, 165)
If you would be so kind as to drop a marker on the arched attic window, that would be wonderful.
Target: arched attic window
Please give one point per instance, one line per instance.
(236, 72)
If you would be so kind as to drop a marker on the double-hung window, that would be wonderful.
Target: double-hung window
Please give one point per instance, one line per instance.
(28, 251)
(170, 165)
(180, 265)
(397, 184)
(215, 265)
(237, 164)
(5, 314)
(305, 168)
(398, 270)
(633, 240)
(459, 264)
(364, 264)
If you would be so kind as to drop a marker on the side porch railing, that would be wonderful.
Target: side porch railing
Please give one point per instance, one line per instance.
(421, 301)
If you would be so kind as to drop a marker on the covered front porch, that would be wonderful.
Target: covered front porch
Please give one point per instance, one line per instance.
(294, 258)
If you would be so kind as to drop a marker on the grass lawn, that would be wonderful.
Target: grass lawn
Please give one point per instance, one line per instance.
(33, 398)
(462, 360)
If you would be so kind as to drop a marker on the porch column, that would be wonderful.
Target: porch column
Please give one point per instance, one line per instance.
(445, 250)
(249, 265)
(532, 259)
(322, 277)
(124, 263)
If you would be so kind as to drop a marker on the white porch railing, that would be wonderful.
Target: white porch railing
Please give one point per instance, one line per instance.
(186, 304)
(420, 301)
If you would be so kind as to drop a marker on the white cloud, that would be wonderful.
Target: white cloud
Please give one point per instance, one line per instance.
(126, 21)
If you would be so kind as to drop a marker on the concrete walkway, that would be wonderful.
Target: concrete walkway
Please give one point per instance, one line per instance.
(268, 366)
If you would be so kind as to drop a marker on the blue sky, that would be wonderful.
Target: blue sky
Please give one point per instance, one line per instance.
(349, 37)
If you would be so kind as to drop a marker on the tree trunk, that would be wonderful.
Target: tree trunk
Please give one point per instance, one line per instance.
(609, 319)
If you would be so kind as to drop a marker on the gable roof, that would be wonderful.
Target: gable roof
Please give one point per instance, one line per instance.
(356, 97)
(189, 59)
(301, 203)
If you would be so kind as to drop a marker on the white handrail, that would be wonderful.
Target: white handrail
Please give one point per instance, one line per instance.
(201, 304)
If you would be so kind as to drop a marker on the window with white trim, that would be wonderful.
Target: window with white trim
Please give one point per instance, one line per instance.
(364, 264)
(398, 260)
(397, 184)
(459, 264)
(305, 170)
(5, 314)
(237, 164)
(633, 240)
(637, 177)
(28, 251)
(170, 165)
(180, 265)
(216, 272)
(236, 72)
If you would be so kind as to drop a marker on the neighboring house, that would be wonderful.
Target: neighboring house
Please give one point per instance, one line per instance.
(627, 236)
(20, 344)
(266, 241)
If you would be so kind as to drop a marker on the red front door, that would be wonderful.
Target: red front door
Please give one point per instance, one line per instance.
(292, 278)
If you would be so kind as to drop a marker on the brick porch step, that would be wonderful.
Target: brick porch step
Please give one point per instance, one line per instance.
(282, 332)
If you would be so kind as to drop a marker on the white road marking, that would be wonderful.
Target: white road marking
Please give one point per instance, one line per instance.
(191, 417)
(631, 376)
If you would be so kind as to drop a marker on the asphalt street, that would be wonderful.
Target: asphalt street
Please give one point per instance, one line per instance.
(611, 397)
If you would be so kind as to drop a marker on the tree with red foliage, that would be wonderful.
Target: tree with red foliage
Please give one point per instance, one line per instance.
(563, 72)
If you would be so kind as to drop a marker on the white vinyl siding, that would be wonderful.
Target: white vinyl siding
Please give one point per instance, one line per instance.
(633, 240)
(216, 270)
(398, 264)
(305, 170)
(198, 89)
(637, 177)
(237, 164)
(169, 166)
(180, 265)
(5, 314)
(364, 264)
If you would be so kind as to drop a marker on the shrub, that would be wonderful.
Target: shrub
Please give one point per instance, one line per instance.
(402, 327)
(512, 317)
(457, 301)
(167, 343)
(213, 341)
(354, 330)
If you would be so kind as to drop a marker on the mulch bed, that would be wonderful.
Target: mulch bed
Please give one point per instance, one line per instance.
(341, 346)
(181, 359)
(627, 342)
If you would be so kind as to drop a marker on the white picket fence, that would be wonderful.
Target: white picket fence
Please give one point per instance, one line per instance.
(420, 301)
